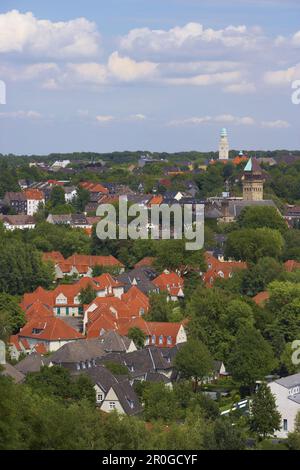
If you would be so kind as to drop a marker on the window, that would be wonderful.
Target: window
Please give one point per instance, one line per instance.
(112, 405)
(36, 331)
(78, 366)
(99, 397)
(169, 340)
(153, 339)
(161, 339)
(285, 424)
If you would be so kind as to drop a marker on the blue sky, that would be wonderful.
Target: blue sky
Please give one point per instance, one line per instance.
(161, 75)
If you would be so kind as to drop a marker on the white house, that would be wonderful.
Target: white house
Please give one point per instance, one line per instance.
(287, 394)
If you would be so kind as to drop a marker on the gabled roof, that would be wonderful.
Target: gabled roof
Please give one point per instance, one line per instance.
(291, 265)
(34, 194)
(147, 261)
(49, 329)
(31, 363)
(13, 372)
(167, 280)
(261, 297)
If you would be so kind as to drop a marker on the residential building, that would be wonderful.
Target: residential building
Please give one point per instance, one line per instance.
(17, 222)
(287, 395)
(16, 201)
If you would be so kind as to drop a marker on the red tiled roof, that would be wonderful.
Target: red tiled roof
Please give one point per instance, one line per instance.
(147, 261)
(40, 348)
(261, 297)
(94, 187)
(167, 280)
(49, 329)
(34, 194)
(88, 260)
(54, 256)
(291, 265)
(220, 269)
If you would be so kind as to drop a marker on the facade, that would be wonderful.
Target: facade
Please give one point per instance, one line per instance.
(223, 145)
(253, 182)
(34, 198)
(287, 394)
(16, 201)
(20, 222)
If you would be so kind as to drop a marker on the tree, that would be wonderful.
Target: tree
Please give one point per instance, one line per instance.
(82, 199)
(252, 357)
(57, 382)
(252, 244)
(116, 368)
(194, 361)
(57, 197)
(160, 402)
(224, 436)
(261, 216)
(294, 437)
(12, 317)
(159, 308)
(264, 419)
(22, 269)
(137, 336)
(87, 295)
(257, 277)
(172, 255)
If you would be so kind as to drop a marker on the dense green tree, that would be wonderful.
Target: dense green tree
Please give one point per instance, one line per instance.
(265, 418)
(87, 295)
(253, 244)
(261, 216)
(22, 269)
(294, 437)
(159, 401)
(137, 336)
(12, 317)
(251, 358)
(160, 309)
(194, 361)
(57, 197)
(224, 436)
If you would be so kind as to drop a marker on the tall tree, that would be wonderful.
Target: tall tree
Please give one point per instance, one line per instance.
(265, 418)
(194, 361)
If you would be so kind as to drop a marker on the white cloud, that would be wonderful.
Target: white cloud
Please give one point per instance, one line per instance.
(127, 69)
(92, 73)
(21, 115)
(282, 77)
(242, 88)
(223, 118)
(24, 33)
(104, 118)
(276, 124)
(206, 79)
(192, 38)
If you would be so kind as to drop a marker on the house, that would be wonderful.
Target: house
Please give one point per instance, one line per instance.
(50, 331)
(220, 269)
(70, 193)
(17, 347)
(17, 222)
(81, 265)
(159, 334)
(292, 216)
(172, 283)
(34, 198)
(113, 393)
(141, 277)
(60, 164)
(31, 363)
(16, 201)
(287, 395)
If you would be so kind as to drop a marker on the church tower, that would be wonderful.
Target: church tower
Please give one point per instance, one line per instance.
(253, 181)
(224, 146)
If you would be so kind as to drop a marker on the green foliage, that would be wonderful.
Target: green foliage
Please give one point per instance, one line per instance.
(261, 216)
(252, 244)
(57, 197)
(87, 295)
(22, 269)
(160, 309)
(294, 437)
(57, 382)
(264, 419)
(194, 361)
(160, 403)
(137, 336)
(116, 368)
(12, 317)
(251, 358)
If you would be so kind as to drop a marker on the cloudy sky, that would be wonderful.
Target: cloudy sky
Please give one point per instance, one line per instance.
(165, 75)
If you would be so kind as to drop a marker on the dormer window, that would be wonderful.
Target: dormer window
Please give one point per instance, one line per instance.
(37, 331)
(169, 340)
(161, 339)
(153, 339)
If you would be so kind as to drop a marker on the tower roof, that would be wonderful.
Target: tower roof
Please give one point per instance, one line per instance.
(224, 132)
(253, 166)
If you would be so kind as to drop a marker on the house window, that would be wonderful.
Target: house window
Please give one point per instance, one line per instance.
(99, 397)
(142, 312)
(169, 340)
(83, 365)
(285, 424)
(78, 366)
(112, 405)
(153, 339)
(161, 339)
